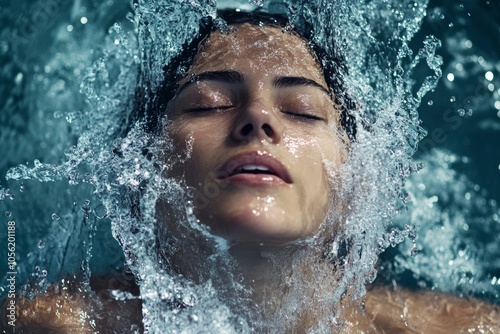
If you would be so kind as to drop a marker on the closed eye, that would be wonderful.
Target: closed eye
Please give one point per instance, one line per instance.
(209, 108)
(303, 116)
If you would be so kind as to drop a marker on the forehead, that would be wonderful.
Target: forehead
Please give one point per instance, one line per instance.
(254, 49)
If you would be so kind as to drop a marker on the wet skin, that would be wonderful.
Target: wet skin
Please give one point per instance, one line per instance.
(257, 97)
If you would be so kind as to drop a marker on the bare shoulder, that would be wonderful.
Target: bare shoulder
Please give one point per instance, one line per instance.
(403, 311)
(108, 304)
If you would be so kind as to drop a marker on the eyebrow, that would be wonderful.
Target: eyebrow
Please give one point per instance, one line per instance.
(235, 77)
(283, 82)
(220, 76)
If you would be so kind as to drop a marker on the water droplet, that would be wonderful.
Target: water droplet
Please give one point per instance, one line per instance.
(55, 216)
(19, 78)
(372, 276)
(100, 212)
(414, 250)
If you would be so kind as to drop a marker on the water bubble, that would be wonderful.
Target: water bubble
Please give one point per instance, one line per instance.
(8, 213)
(41, 244)
(259, 3)
(497, 105)
(489, 75)
(450, 77)
(100, 212)
(83, 20)
(461, 112)
(469, 112)
(430, 103)
(491, 87)
(459, 67)
(58, 114)
(452, 99)
(468, 44)
(55, 216)
(69, 28)
(21, 187)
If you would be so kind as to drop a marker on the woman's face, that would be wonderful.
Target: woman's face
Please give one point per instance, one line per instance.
(255, 125)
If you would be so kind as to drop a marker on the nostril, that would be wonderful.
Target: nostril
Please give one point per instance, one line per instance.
(268, 130)
(246, 130)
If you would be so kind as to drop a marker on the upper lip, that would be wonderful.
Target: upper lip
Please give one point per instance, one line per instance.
(256, 158)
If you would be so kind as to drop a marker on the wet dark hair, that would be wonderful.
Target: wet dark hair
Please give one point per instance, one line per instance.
(331, 65)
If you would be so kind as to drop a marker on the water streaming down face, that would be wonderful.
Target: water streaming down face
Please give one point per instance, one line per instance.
(127, 176)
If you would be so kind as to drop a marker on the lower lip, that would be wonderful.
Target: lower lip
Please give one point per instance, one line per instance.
(255, 179)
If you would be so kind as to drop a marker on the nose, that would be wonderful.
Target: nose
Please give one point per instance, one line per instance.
(257, 121)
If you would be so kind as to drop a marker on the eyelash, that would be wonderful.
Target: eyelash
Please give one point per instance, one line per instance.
(297, 115)
(308, 117)
(209, 108)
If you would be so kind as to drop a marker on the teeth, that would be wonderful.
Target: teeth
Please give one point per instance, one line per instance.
(247, 168)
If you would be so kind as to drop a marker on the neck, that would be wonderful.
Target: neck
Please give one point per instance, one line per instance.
(283, 285)
(290, 288)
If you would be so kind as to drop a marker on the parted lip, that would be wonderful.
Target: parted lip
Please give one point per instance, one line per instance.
(256, 158)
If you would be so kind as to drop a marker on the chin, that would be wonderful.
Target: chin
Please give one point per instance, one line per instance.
(249, 226)
(250, 219)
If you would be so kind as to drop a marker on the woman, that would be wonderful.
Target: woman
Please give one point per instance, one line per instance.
(259, 134)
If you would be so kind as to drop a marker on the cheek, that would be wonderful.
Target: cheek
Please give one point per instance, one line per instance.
(315, 147)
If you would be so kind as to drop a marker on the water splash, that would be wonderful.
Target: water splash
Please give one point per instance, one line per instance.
(96, 155)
